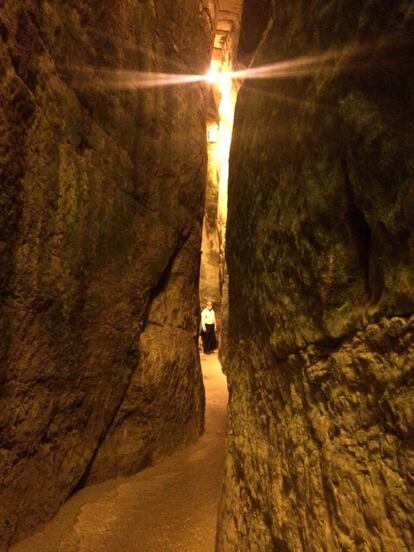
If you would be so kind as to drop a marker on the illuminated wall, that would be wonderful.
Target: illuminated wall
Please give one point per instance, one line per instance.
(213, 280)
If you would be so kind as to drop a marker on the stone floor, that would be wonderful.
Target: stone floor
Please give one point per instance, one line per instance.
(170, 507)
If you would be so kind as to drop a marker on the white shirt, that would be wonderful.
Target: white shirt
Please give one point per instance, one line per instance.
(208, 316)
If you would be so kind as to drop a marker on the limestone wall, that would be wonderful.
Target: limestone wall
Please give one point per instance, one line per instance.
(210, 255)
(101, 203)
(321, 264)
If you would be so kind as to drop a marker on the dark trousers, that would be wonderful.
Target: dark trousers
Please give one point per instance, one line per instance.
(209, 338)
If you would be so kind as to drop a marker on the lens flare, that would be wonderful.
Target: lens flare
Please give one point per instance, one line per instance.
(354, 58)
(118, 79)
(212, 77)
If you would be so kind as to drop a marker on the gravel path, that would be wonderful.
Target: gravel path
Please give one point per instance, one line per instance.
(170, 507)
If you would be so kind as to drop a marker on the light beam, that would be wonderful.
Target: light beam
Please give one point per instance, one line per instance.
(305, 66)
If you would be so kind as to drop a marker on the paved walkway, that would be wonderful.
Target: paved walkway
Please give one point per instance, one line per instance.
(170, 507)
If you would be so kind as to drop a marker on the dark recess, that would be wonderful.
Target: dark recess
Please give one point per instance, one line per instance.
(256, 15)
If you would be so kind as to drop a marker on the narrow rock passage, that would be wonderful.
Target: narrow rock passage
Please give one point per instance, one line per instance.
(169, 507)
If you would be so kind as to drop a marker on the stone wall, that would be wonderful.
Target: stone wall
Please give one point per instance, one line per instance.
(210, 258)
(321, 263)
(101, 203)
(255, 17)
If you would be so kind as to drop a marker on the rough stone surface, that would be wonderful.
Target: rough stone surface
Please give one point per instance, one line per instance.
(169, 507)
(255, 17)
(227, 25)
(101, 202)
(210, 258)
(164, 404)
(321, 258)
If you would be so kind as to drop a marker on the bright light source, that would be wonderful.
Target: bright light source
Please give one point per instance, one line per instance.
(212, 133)
(212, 77)
(218, 78)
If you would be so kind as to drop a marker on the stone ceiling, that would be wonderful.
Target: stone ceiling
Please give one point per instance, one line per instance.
(228, 23)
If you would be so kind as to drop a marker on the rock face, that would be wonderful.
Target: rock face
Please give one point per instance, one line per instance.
(210, 259)
(164, 405)
(321, 265)
(256, 15)
(101, 205)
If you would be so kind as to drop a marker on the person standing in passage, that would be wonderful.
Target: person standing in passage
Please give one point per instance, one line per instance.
(208, 328)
